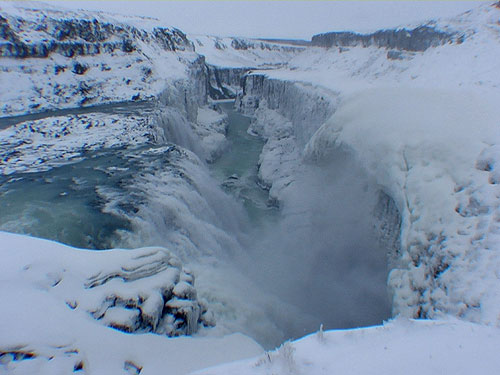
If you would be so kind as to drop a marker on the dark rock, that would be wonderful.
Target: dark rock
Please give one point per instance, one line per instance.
(80, 37)
(58, 69)
(417, 39)
(128, 46)
(395, 55)
(79, 68)
(223, 83)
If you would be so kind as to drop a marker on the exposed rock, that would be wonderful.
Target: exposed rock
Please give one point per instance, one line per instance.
(224, 83)
(417, 39)
(79, 68)
(42, 34)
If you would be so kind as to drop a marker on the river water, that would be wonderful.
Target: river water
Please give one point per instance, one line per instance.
(237, 167)
(319, 262)
(69, 203)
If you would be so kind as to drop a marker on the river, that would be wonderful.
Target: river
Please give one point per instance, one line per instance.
(318, 264)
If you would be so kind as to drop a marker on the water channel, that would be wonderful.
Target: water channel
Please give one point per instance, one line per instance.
(324, 263)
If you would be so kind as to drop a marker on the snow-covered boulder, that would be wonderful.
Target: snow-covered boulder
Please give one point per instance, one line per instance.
(142, 290)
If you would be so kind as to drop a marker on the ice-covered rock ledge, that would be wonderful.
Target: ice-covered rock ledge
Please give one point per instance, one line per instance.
(142, 290)
(57, 302)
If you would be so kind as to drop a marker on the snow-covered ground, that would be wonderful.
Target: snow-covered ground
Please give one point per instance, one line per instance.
(420, 126)
(400, 346)
(52, 295)
(42, 144)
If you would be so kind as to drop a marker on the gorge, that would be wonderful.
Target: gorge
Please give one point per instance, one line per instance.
(262, 188)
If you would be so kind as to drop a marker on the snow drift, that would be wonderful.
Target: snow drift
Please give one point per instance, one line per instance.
(416, 133)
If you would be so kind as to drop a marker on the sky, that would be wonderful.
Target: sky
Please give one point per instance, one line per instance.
(278, 19)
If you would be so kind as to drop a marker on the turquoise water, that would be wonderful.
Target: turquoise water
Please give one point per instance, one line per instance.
(62, 204)
(237, 167)
(88, 203)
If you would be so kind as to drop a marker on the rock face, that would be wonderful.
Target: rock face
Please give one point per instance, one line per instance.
(41, 35)
(224, 83)
(305, 106)
(53, 59)
(417, 39)
(286, 114)
(388, 228)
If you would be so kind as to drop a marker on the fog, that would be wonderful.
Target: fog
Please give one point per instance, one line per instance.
(323, 255)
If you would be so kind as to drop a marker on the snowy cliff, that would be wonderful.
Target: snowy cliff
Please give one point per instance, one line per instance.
(425, 126)
(402, 125)
(78, 58)
(417, 39)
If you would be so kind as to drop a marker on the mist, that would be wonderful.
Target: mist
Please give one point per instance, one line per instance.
(323, 256)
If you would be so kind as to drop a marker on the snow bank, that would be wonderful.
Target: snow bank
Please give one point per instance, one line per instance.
(398, 347)
(131, 290)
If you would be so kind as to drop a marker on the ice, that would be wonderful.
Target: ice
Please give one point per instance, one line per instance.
(418, 128)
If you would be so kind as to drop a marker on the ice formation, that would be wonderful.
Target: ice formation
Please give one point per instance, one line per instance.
(413, 112)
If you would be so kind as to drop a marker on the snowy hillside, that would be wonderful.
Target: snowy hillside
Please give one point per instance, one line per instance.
(74, 57)
(425, 125)
(380, 162)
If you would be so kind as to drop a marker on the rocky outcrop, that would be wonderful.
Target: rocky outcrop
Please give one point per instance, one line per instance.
(224, 83)
(417, 39)
(161, 297)
(41, 35)
(307, 107)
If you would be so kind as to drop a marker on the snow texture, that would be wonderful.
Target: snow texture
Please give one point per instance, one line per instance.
(423, 125)
(400, 346)
(42, 144)
(52, 295)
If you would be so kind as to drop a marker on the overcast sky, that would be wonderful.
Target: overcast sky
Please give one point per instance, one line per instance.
(279, 19)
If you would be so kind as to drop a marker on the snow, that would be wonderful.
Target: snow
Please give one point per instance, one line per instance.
(400, 346)
(33, 84)
(252, 53)
(408, 139)
(40, 145)
(423, 126)
(49, 289)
